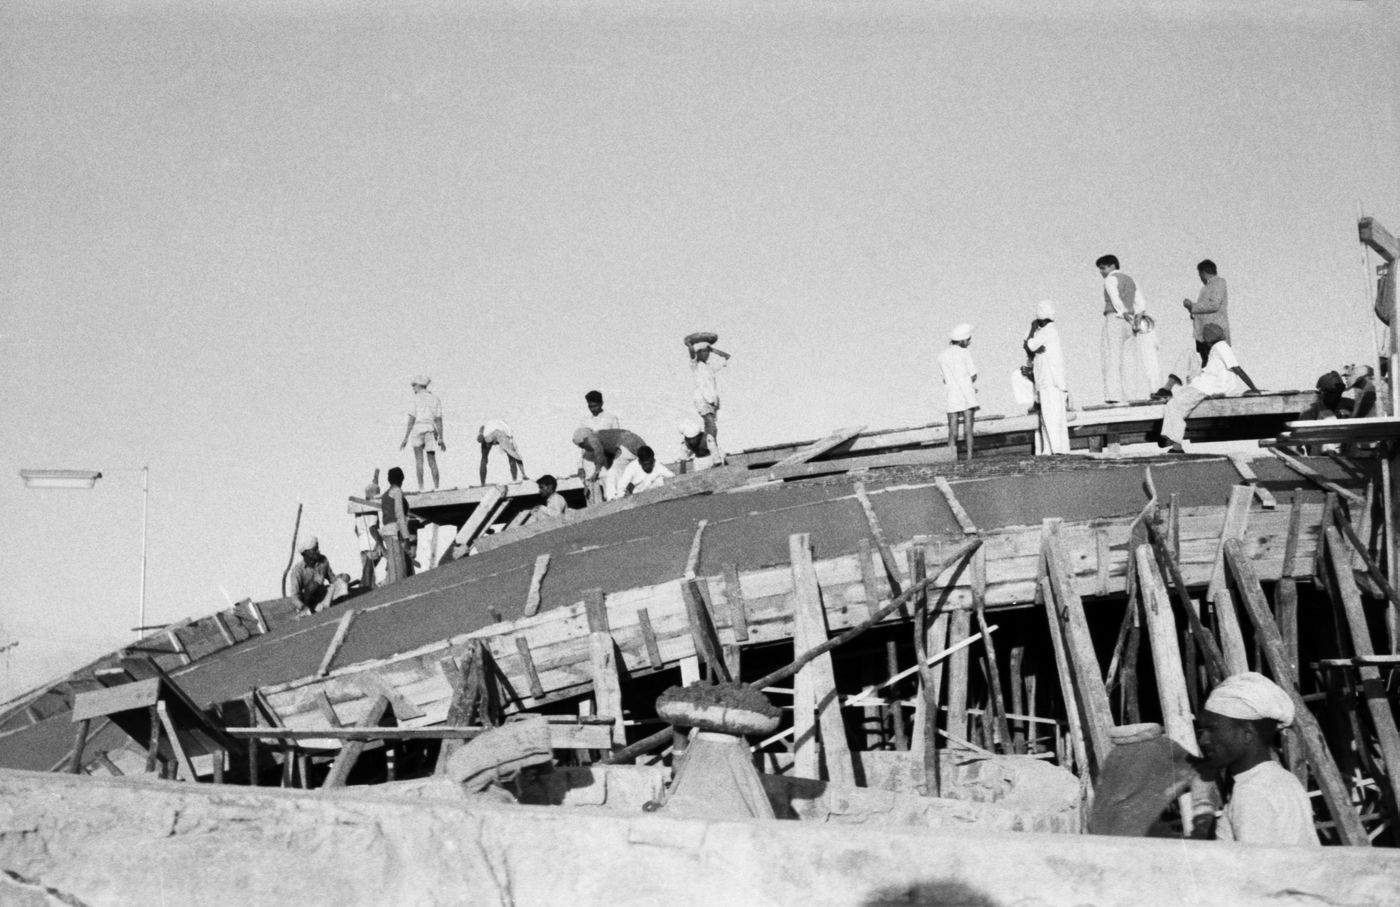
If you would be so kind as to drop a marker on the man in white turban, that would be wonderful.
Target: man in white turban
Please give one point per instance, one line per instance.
(1267, 805)
(1051, 389)
(960, 380)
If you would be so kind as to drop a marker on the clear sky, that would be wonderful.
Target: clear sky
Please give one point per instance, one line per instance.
(231, 232)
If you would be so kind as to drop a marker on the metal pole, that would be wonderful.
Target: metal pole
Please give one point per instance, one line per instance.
(145, 509)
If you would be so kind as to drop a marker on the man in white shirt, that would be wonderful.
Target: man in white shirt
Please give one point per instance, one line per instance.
(498, 434)
(1051, 389)
(1120, 309)
(552, 505)
(644, 473)
(703, 367)
(960, 379)
(695, 449)
(1237, 728)
(597, 419)
(425, 428)
(1220, 376)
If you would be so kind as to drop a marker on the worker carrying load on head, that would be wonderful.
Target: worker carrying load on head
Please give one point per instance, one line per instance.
(1237, 729)
(608, 451)
(497, 433)
(313, 584)
(424, 428)
(960, 380)
(1048, 373)
(643, 473)
(696, 453)
(703, 366)
(1220, 376)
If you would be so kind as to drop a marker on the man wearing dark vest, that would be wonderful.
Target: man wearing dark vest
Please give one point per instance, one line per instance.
(1119, 311)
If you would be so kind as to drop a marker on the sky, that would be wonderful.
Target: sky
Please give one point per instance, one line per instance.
(232, 231)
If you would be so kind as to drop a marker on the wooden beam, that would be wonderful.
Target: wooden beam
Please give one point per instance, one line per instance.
(817, 448)
(959, 514)
(1334, 789)
(816, 704)
(76, 766)
(596, 609)
(1057, 640)
(702, 627)
(738, 608)
(1215, 660)
(532, 598)
(182, 759)
(1001, 731)
(692, 561)
(607, 683)
(1378, 238)
(649, 639)
(373, 684)
(350, 753)
(479, 520)
(327, 709)
(873, 523)
(868, 577)
(338, 640)
(1218, 592)
(1266, 498)
(527, 661)
(258, 617)
(223, 629)
(1315, 477)
(178, 645)
(927, 637)
(959, 628)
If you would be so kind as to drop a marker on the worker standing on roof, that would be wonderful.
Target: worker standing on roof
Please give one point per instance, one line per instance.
(1120, 310)
(695, 450)
(394, 528)
(1051, 389)
(703, 366)
(497, 433)
(1237, 728)
(960, 379)
(1220, 376)
(608, 451)
(425, 428)
(1212, 306)
(314, 586)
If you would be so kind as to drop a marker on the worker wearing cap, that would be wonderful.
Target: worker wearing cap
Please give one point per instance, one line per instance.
(424, 428)
(960, 380)
(608, 451)
(703, 366)
(313, 584)
(1051, 389)
(695, 449)
(1221, 375)
(1236, 732)
(498, 434)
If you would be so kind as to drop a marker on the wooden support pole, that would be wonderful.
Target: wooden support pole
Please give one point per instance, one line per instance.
(649, 639)
(327, 709)
(350, 751)
(532, 598)
(607, 682)
(868, 576)
(1314, 746)
(925, 741)
(222, 626)
(692, 560)
(341, 631)
(250, 703)
(1218, 592)
(1076, 732)
(959, 513)
(1001, 732)
(181, 758)
(1372, 684)
(178, 645)
(1314, 476)
(1022, 729)
(738, 608)
(76, 765)
(466, 690)
(702, 627)
(153, 746)
(258, 617)
(959, 628)
(1215, 660)
(479, 520)
(815, 696)
(527, 663)
(878, 536)
(595, 607)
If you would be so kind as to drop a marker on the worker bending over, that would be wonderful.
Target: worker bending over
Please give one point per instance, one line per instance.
(608, 452)
(696, 453)
(313, 584)
(1219, 376)
(1048, 373)
(644, 473)
(703, 366)
(1266, 803)
(497, 433)
(424, 428)
(960, 380)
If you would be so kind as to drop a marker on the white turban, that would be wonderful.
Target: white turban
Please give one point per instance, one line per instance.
(422, 380)
(1045, 310)
(691, 428)
(1251, 696)
(308, 544)
(961, 332)
(582, 434)
(701, 345)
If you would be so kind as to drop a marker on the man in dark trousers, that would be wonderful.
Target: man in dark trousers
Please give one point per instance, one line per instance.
(394, 528)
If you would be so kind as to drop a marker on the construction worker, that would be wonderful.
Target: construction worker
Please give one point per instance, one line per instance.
(695, 450)
(425, 428)
(703, 367)
(1212, 306)
(960, 380)
(552, 505)
(367, 534)
(644, 473)
(313, 584)
(609, 451)
(1148, 348)
(1237, 728)
(597, 419)
(1120, 309)
(394, 528)
(497, 433)
(1051, 389)
(1217, 378)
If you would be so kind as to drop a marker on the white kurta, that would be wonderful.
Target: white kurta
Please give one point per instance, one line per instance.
(1267, 806)
(640, 479)
(959, 373)
(706, 394)
(1051, 391)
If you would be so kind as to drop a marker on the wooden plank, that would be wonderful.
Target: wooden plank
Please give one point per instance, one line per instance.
(182, 759)
(815, 700)
(1079, 647)
(1166, 654)
(373, 684)
(178, 645)
(692, 561)
(959, 628)
(522, 645)
(1315, 477)
(80, 743)
(532, 598)
(878, 536)
(820, 447)
(1329, 778)
(223, 629)
(1373, 234)
(350, 753)
(570, 735)
(1246, 472)
(1372, 683)
(654, 659)
(702, 627)
(868, 577)
(479, 520)
(323, 702)
(1215, 660)
(111, 700)
(738, 608)
(607, 683)
(1067, 693)
(1001, 731)
(959, 513)
(258, 617)
(1218, 592)
(1103, 560)
(338, 640)
(595, 606)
